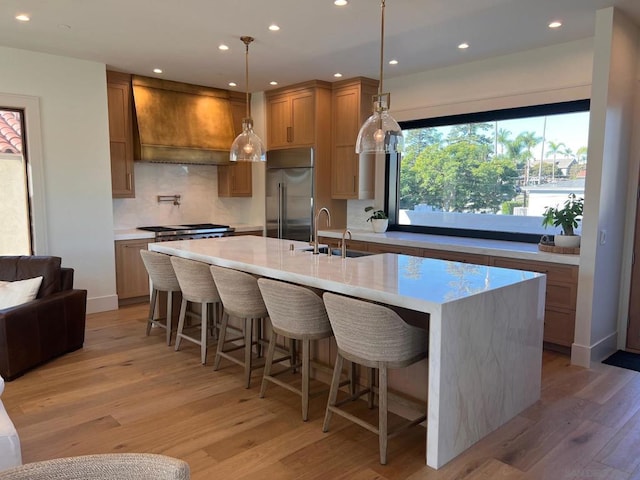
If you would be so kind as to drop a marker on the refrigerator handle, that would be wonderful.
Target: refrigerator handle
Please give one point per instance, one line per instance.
(279, 210)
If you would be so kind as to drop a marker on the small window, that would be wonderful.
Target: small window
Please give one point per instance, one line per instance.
(490, 174)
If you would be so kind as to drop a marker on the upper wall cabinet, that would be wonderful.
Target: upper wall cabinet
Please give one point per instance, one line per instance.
(235, 180)
(291, 117)
(120, 134)
(352, 175)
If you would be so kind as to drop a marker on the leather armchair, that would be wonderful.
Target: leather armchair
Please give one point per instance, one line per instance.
(45, 328)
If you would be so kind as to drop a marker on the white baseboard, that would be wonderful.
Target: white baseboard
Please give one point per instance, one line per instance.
(102, 304)
(584, 355)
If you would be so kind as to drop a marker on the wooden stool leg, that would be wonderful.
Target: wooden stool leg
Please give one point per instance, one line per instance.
(221, 337)
(152, 309)
(333, 393)
(169, 315)
(382, 412)
(183, 313)
(353, 378)
(267, 366)
(203, 332)
(306, 347)
(248, 340)
(370, 396)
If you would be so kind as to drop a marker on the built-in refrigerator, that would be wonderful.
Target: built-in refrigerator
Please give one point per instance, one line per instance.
(289, 191)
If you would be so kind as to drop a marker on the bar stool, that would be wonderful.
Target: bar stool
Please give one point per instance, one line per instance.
(376, 337)
(241, 298)
(197, 286)
(163, 279)
(296, 313)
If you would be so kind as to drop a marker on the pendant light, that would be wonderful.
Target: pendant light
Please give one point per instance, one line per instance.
(247, 147)
(380, 133)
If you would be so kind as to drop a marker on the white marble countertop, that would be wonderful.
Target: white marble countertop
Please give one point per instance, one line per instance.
(498, 248)
(417, 283)
(485, 324)
(136, 234)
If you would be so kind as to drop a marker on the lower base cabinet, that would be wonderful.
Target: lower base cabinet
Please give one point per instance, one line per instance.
(132, 281)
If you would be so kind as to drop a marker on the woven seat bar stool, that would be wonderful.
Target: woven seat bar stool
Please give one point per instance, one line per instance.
(163, 279)
(241, 298)
(296, 313)
(197, 286)
(376, 337)
(104, 466)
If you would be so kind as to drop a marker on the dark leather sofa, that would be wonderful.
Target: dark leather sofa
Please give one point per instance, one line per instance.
(45, 328)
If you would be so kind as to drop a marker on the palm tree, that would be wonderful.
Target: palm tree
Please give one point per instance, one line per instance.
(502, 138)
(529, 140)
(553, 148)
(581, 155)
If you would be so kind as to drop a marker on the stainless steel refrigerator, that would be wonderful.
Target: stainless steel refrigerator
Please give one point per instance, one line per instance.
(289, 190)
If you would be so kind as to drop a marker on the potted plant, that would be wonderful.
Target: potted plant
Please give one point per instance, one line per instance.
(567, 218)
(378, 218)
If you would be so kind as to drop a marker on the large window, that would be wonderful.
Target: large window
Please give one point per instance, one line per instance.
(490, 174)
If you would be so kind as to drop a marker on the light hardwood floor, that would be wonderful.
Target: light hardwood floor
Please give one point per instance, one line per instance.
(125, 392)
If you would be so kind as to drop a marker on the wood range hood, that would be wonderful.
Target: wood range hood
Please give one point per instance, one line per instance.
(181, 123)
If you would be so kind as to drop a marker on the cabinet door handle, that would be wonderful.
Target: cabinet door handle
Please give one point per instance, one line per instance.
(289, 134)
(129, 186)
(354, 183)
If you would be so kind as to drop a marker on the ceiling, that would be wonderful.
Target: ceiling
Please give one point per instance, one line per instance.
(316, 40)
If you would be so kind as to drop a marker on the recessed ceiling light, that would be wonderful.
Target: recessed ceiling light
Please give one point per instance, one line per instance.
(337, 75)
(340, 3)
(157, 70)
(555, 24)
(273, 82)
(223, 47)
(273, 27)
(393, 62)
(23, 17)
(463, 46)
(233, 84)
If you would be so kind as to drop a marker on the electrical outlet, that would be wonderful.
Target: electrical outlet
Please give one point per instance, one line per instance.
(603, 237)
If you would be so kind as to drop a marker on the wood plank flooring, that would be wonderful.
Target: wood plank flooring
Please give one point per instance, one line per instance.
(125, 392)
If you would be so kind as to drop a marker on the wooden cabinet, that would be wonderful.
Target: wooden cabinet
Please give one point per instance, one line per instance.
(120, 134)
(249, 232)
(386, 248)
(299, 116)
(560, 300)
(236, 179)
(352, 175)
(132, 281)
(291, 117)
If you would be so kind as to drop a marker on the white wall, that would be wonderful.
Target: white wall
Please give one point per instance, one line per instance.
(77, 175)
(616, 56)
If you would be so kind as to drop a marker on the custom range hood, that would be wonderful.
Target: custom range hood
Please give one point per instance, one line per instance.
(181, 123)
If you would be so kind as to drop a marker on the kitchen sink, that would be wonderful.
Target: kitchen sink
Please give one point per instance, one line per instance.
(336, 252)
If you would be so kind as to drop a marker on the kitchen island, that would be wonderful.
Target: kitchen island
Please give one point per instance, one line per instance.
(485, 324)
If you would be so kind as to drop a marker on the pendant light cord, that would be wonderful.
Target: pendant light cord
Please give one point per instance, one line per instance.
(382, 6)
(247, 41)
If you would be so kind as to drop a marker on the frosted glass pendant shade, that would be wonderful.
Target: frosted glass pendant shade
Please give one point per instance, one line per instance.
(247, 147)
(380, 133)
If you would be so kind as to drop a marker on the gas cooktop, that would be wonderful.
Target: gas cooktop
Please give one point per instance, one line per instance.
(189, 230)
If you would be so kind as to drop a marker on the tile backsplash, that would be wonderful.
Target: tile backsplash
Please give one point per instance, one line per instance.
(197, 186)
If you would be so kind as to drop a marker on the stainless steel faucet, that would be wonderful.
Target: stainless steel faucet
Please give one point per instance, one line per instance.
(315, 227)
(343, 245)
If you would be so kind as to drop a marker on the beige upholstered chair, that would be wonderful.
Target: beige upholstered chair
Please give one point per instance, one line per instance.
(163, 279)
(241, 299)
(108, 466)
(298, 314)
(376, 337)
(197, 286)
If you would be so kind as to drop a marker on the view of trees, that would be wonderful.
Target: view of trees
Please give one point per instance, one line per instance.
(478, 167)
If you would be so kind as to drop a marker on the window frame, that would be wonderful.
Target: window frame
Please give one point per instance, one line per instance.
(392, 165)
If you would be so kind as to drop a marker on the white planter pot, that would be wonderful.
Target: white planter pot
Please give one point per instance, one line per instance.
(569, 241)
(380, 224)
